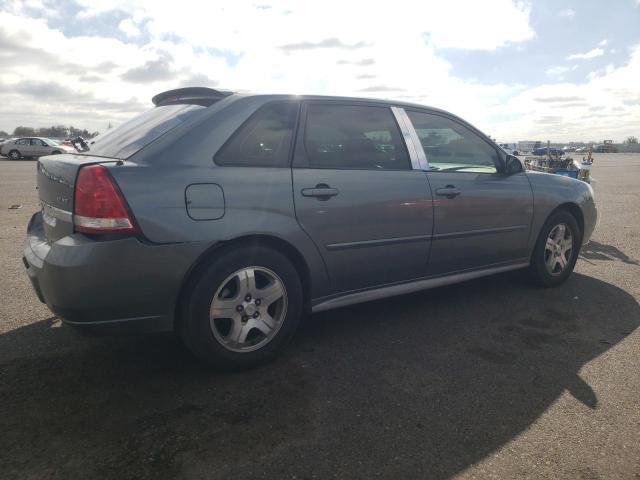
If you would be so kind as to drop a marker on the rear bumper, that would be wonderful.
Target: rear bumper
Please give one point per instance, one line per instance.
(117, 284)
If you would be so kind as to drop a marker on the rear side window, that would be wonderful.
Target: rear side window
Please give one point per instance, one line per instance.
(23, 141)
(128, 138)
(452, 147)
(354, 137)
(264, 140)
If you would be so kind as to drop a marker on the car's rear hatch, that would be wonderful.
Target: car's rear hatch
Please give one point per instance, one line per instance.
(57, 174)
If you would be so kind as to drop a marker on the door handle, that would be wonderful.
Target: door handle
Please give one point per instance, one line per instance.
(320, 191)
(449, 191)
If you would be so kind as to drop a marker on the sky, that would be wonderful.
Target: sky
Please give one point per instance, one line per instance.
(541, 70)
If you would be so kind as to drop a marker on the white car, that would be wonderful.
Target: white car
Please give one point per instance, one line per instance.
(33, 147)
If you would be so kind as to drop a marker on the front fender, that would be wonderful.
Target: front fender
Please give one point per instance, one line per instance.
(553, 191)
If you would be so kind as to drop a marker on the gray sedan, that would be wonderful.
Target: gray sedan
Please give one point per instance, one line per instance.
(227, 217)
(33, 147)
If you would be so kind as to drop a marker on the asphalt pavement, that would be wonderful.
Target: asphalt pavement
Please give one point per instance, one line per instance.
(492, 378)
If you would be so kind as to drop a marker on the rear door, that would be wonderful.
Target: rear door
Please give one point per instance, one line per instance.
(24, 147)
(482, 216)
(358, 196)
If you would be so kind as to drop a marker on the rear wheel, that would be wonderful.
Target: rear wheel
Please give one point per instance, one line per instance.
(556, 250)
(14, 155)
(241, 309)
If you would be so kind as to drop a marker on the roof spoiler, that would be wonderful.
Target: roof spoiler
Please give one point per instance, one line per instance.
(193, 95)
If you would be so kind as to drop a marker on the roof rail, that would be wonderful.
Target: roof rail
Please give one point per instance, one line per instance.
(195, 95)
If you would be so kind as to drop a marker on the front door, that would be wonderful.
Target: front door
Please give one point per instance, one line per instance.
(38, 147)
(482, 217)
(357, 196)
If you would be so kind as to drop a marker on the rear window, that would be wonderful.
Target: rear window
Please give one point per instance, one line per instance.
(264, 140)
(128, 138)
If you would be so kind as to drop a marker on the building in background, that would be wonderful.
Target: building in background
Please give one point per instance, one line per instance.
(528, 145)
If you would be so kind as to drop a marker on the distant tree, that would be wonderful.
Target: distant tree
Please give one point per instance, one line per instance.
(56, 131)
(4, 134)
(631, 139)
(23, 132)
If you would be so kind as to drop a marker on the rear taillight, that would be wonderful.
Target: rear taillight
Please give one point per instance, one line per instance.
(99, 205)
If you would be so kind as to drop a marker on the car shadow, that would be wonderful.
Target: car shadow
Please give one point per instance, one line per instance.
(600, 251)
(418, 386)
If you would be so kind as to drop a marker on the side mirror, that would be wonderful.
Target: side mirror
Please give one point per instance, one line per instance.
(512, 165)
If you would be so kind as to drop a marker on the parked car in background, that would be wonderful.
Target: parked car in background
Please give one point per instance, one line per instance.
(582, 150)
(545, 150)
(226, 217)
(33, 147)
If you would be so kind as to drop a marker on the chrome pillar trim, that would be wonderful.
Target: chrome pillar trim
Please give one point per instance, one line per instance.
(409, 140)
(422, 157)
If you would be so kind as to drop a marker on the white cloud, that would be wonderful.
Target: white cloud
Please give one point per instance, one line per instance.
(604, 42)
(556, 71)
(240, 47)
(567, 13)
(596, 52)
(129, 27)
(564, 111)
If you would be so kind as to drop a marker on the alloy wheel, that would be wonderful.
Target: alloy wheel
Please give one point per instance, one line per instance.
(558, 249)
(248, 309)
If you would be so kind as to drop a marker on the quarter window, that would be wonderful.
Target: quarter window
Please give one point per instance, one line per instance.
(264, 140)
(452, 147)
(353, 137)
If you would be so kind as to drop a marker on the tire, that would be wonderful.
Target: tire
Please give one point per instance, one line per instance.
(56, 152)
(14, 155)
(545, 269)
(209, 336)
(516, 153)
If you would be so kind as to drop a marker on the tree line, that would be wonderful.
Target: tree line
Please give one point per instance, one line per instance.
(57, 131)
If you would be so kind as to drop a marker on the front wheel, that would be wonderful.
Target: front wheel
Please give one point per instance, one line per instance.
(556, 250)
(241, 309)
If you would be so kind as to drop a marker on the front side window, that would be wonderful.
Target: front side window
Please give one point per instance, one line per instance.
(36, 142)
(264, 140)
(354, 137)
(452, 147)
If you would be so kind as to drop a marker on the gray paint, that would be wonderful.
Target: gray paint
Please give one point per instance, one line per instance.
(384, 232)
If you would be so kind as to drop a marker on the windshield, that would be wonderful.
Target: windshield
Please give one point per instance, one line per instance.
(128, 138)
